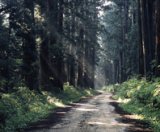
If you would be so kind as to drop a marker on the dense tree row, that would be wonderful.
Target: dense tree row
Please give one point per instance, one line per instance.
(120, 40)
(149, 24)
(44, 44)
(131, 32)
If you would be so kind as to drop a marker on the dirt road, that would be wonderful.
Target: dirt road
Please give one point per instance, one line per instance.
(94, 115)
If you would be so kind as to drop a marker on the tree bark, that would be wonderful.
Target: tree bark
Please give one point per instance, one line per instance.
(157, 49)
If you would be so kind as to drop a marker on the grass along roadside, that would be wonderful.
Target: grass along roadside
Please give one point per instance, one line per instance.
(23, 107)
(141, 98)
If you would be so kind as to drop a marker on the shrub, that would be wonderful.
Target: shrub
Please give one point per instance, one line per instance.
(20, 108)
(144, 99)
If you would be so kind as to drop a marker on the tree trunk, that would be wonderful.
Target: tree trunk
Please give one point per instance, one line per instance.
(30, 54)
(157, 50)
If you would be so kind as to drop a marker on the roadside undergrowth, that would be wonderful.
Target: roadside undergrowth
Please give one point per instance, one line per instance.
(140, 97)
(23, 107)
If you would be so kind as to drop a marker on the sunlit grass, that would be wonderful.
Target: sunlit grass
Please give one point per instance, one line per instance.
(23, 107)
(141, 98)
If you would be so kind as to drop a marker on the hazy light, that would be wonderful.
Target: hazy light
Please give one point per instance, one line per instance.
(85, 109)
(101, 11)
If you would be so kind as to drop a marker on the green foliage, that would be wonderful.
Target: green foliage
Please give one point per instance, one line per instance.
(22, 107)
(9, 57)
(70, 94)
(144, 99)
(110, 88)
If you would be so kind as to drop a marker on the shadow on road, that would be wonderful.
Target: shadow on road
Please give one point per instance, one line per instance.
(53, 118)
(135, 125)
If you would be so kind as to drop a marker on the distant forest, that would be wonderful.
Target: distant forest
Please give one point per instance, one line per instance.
(131, 40)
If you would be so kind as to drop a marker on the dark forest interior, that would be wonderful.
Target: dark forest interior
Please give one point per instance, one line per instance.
(64, 48)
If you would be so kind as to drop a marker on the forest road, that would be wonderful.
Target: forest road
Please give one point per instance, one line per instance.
(96, 114)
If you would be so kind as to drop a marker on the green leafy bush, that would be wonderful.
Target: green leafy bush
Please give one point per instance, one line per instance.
(20, 108)
(144, 99)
